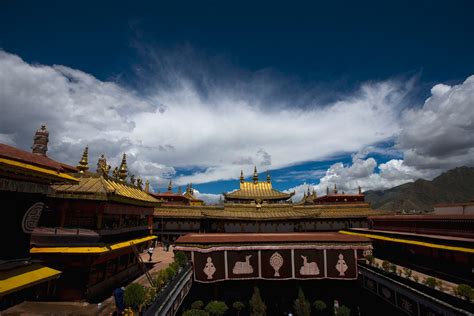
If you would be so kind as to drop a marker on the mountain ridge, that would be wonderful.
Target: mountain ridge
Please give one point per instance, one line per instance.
(453, 186)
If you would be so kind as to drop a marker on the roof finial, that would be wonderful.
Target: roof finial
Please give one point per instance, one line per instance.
(40, 141)
(314, 193)
(191, 190)
(140, 183)
(122, 173)
(170, 186)
(147, 186)
(255, 175)
(242, 176)
(102, 167)
(309, 193)
(268, 177)
(84, 162)
(327, 190)
(360, 190)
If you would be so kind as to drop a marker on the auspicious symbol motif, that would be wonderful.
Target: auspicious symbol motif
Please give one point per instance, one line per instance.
(243, 267)
(367, 252)
(309, 268)
(276, 261)
(209, 268)
(31, 217)
(341, 265)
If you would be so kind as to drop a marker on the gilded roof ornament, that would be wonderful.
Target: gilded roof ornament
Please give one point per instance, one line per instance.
(102, 167)
(314, 193)
(115, 173)
(327, 190)
(40, 141)
(132, 179)
(255, 175)
(360, 190)
(170, 186)
(335, 189)
(268, 177)
(147, 185)
(140, 183)
(123, 168)
(84, 162)
(242, 176)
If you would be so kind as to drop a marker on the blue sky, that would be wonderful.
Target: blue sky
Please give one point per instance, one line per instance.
(196, 91)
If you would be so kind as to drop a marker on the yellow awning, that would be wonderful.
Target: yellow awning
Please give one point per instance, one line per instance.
(37, 170)
(91, 250)
(411, 242)
(23, 277)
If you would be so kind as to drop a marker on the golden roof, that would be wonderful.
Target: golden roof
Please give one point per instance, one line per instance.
(257, 191)
(265, 211)
(103, 189)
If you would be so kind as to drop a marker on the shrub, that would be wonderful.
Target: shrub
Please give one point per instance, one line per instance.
(134, 295)
(197, 305)
(465, 291)
(195, 312)
(370, 259)
(393, 268)
(431, 282)
(301, 305)
(150, 295)
(216, 308)
(386, 265)
(180, 258)
(169, 273)
(175, 266)
(257, 306)
(319, 305)
(238, 306)
(416, 278)
(343, 311)
(407, 272)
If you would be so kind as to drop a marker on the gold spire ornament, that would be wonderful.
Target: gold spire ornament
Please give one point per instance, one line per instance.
(255, 175)
(147, 186)
(140, 183)
(335, 189)
(115, 173)
(132, 179)
(268, 177)
(314, 194)
(327, 190)
(242, 176)
(122, 173)
(360, 190)
(84, 162)
(170, 186)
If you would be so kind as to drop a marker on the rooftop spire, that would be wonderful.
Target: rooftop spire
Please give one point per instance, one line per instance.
(360, 190)
(122, 172)
(170, 186)
(147, 186)
(40, 141)
(84, 162)
(255, 175)
(335, 189)
(314, 193)
(139, 183)
(268, 177)
(242, 176)
(327, 190)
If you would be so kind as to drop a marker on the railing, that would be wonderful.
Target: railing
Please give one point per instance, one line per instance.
(172, 295)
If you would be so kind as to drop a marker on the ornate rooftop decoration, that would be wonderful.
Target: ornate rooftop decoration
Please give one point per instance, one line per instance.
(40, 141)
(102, 167)
(84, 162)
(122, 172)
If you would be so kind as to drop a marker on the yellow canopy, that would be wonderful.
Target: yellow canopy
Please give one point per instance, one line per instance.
(23, 277)
(91, 250)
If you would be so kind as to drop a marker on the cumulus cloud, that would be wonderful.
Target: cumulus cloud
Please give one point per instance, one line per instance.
(209, 198)
(439, 135)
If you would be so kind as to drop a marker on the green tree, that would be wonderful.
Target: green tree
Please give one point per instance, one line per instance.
(197, 305)
(257, 306)
(134, 295)
(465, 291)
(301, 305)
(180, 258)
(431, 282)
(216, 308)
(343, 311)
(195, 312)
(238, 306)
(407, 272)
(319, 305)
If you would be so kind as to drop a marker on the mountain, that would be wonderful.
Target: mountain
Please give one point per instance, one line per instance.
(453, 186)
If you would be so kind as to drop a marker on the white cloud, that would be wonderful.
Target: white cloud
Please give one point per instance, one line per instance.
(209, 198)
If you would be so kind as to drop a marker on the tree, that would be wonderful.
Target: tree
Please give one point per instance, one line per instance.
(343, 311)
(257, 306)
(301, 305)
(238, 306)
(407, 272)
(195, 312)
(197, 305)
(465, 291)
(180, 258)
(431, 282)
(216, 308)
(134, 295)
(319, 305)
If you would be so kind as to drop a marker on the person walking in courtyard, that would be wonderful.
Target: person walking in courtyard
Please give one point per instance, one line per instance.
(150, 253)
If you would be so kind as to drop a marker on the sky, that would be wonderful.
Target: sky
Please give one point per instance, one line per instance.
(367, 93)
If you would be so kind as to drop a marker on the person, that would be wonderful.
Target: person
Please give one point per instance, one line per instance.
(119, 301)
(150, 253)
